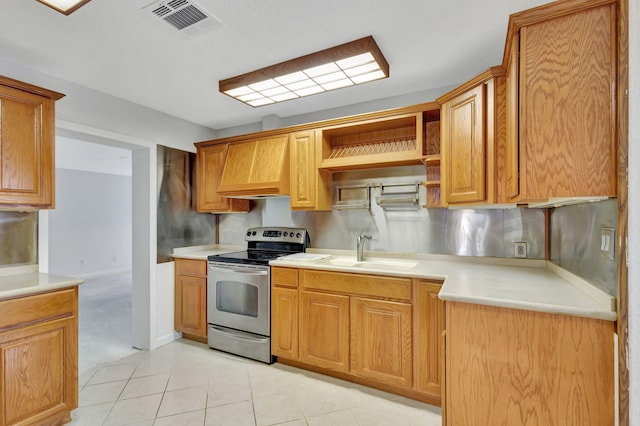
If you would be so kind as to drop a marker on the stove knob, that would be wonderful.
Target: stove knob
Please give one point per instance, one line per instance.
(285, 233)
(253, 233)
(298, 235)
(248, 233)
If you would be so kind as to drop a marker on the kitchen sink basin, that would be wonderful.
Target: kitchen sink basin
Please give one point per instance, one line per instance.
(371, 263)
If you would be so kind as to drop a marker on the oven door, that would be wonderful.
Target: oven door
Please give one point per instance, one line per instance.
(238, 297)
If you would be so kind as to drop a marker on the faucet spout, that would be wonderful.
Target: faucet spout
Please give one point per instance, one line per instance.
(362, 237)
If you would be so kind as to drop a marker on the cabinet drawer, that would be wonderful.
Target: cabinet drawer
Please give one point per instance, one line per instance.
(196, 268)
(36, 308)
(284, 277)
(368, 285)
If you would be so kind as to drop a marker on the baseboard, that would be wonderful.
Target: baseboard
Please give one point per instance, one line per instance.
(166, 339)
(99, 274)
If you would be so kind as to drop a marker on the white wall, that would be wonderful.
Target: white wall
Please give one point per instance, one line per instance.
(634, 210)
(97, 110)
(92, 116)
(90, 228)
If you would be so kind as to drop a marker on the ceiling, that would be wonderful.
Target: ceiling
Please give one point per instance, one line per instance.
(115, 47)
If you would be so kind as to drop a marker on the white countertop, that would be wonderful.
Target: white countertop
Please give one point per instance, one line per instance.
(534, 285)
(202, 252)
(24, 281)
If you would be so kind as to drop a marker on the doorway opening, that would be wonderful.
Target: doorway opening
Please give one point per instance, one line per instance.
(90, 237)
(141, 234)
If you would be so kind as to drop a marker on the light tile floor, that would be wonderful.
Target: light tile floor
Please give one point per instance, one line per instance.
(186, 383)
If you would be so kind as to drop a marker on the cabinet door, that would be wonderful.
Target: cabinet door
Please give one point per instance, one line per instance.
(567, 105)
(324, 325)
(26, 148)
(310, 187)
(257, 167)
(512, 154)
(284, 322)
(38, 380)
(381, 341)
(191, 305)
(428, 323)
(210, 163)
(464, 150)
(304, 172)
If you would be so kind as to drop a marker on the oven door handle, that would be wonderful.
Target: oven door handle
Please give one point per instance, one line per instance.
(240, 271)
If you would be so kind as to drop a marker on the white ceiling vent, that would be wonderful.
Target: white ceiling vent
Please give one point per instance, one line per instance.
(186, 16)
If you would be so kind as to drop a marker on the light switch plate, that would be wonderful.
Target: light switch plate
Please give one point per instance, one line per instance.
(608, 243)
(520, 250)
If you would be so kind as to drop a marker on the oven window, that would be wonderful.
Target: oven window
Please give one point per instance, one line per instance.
(236, 297)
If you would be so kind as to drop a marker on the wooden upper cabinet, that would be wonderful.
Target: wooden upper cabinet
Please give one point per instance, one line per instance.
(210, 161)
(256, 167)
(469, 121)
(310, 187)
(561, 61)
(373, 141)
(27, 138)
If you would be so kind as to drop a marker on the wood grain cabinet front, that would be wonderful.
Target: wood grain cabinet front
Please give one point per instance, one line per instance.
(256, 167)
(382, 341)
(210, 161)
(428, 326)
(472, 125)
(381, 331)
(324, 330)
(39, 359)
(310, 186)
(561, 101)
(284, 312)
(514, 367)
(190, 310)
(27, 139)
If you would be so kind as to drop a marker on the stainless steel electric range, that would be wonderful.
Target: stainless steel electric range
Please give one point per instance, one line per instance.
(239, 291)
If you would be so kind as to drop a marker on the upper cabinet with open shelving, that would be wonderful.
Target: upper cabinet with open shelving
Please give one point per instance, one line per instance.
(382, 142)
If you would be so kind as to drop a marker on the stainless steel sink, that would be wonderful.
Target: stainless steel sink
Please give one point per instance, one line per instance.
(371, 263)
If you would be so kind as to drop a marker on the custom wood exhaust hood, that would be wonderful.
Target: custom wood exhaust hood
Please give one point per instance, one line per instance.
(256, 168)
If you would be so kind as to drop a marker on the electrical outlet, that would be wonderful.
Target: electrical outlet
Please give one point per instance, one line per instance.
(608, 243)
(520, 250)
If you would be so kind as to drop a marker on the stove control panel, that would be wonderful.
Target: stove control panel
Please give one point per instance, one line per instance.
(277, 234)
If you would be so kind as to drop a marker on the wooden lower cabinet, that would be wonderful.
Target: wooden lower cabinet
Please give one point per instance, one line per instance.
(324, 330)
(380, 331)
(428, 325)
(284, 322)
(190, 309)
(381, 341)
(39, 359)
(515, 367)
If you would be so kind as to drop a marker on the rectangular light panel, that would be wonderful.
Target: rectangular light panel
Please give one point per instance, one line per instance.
(65, 7)
(357, 62)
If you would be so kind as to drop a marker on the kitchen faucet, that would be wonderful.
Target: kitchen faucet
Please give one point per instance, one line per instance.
(360, 245)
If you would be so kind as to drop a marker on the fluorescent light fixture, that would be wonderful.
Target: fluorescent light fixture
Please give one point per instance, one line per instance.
(348, 64)
(65, 7)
